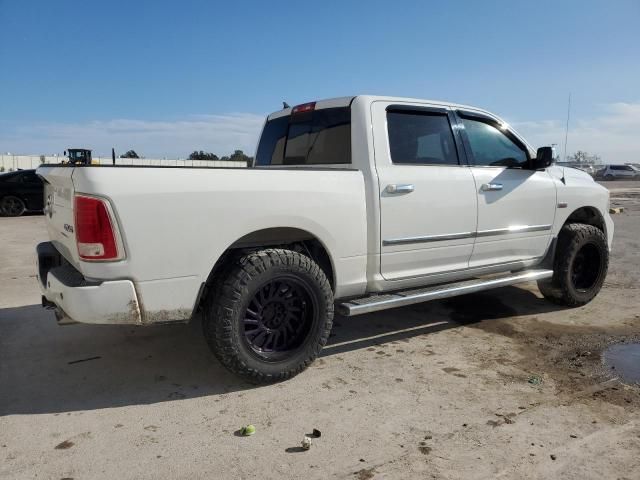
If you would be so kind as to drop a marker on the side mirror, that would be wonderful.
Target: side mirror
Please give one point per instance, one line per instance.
(544, 158)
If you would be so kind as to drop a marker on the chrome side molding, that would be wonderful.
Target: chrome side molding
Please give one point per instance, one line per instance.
(430, 238)
(458, 236)
(513, 229)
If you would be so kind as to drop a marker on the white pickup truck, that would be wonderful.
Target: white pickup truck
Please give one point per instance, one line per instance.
(361, 203)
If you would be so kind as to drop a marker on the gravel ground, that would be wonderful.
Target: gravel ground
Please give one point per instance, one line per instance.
(494, 385)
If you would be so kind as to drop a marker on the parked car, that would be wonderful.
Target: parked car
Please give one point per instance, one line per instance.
(617, 172)
(20, 191)
(361, 204)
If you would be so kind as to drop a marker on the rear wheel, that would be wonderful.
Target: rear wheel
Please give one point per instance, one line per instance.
(11, 206)
(580, 267)
(608, 177)
(269, 315)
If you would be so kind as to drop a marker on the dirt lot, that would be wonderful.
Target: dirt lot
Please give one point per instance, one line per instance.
(494, 385)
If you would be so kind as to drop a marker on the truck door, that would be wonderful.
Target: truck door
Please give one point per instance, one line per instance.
(427, 194)
(516, 205)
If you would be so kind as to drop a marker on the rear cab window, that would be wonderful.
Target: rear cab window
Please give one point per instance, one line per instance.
(318, 136)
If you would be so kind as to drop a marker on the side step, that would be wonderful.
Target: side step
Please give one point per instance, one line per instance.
(384, 301)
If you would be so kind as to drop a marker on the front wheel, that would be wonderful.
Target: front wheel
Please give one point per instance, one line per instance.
(269, 315)
(11, 206)
(580, 266)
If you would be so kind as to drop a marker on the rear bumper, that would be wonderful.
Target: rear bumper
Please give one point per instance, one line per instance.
(77, 299)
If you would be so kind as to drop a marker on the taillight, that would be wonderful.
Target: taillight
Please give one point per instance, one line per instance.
(305, 107)
(95, 231)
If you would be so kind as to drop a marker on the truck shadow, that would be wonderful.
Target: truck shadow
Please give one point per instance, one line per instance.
(45, 368)
(352, 333)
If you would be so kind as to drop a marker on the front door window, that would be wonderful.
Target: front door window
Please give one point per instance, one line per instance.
(490, 147)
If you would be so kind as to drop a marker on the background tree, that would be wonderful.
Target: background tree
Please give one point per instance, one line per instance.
(583, 157)
(130, 154)
(239, 156)
(200, 155)
(236, 156)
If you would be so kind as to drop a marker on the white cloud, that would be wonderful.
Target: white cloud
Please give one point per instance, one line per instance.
(220, 134)
(614, 134)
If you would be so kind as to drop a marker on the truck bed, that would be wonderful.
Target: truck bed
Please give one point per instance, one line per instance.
(176, 222)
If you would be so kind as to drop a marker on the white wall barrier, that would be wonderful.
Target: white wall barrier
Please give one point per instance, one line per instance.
(15, 162)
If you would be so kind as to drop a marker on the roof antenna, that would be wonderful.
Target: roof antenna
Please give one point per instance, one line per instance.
(566, 135)
(285, 105)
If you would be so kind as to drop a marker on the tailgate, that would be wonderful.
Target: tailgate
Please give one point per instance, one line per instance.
(58, 210)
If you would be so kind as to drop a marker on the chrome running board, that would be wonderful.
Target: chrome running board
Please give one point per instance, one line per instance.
(374, 303)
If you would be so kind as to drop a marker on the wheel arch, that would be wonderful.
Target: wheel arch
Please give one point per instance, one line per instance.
(296, 239)
(589, 215)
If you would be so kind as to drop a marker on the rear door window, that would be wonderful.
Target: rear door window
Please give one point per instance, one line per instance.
(319, 137)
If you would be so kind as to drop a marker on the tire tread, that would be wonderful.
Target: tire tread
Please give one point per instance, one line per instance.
(226, 295)
(558, 290)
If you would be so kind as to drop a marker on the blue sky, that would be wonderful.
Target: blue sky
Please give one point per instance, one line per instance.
(169, 77)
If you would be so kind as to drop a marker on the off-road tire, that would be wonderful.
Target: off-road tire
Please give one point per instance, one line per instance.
(11, 206)
(225, 309)
(575, 238)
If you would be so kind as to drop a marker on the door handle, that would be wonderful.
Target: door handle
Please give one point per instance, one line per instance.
(490, 187)
(400, 188)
